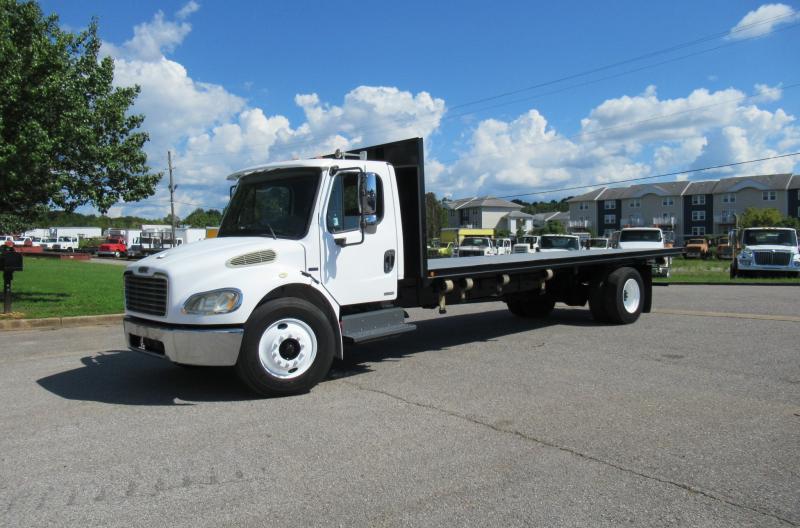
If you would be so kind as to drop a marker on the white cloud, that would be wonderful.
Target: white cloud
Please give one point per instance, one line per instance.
(762, 21)
(188, 9)
(212, 131)
(621, 138)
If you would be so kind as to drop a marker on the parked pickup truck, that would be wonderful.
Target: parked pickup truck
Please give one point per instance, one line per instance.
(333, 258)
(697, 248)
(766, 251)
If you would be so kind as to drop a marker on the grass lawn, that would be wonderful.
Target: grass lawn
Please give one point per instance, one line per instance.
(712, 270)
(62, 288)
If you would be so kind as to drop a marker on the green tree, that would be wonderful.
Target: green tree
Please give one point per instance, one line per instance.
(202, 218)
(435, 216)
(758, 217)
(66, 137)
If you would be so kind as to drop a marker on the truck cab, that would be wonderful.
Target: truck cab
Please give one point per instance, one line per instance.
(646, 237)
(766, 251)
(526, 244)
(549, 243)
(476, 247)
(114, 246)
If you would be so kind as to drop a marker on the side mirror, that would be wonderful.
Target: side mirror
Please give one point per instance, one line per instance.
(368, 198)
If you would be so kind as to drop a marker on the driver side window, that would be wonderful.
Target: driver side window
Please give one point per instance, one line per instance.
(343, 211)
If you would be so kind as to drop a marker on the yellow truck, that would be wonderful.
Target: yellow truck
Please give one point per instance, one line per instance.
(456, 235)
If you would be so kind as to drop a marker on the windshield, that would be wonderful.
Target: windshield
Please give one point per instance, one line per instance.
(770, 237)
(640, 235)
(477, 242)
(699, 241)
(558, 242)
(278, 202)
(598, 243)
(723, 241)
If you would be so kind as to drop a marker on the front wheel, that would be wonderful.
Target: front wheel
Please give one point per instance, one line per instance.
(624, 295)
(288, 347)
(117, 254)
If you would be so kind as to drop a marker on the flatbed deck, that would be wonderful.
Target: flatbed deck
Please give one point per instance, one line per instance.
(456, 267)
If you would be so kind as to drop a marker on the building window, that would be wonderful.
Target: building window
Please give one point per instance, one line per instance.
(610, 204)
(583, 206)
(729, 198)
(769, 196)
(698, 231)
(668, 201)
(698, 216)
(609, 219)
(698, 199)
(635, 203)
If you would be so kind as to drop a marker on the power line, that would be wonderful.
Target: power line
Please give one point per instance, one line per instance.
(642, 178)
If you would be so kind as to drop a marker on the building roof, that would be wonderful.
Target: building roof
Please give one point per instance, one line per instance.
(518, 214)
(795, 183)
(701, 187)
(481, 201)
(762, 183)
(587, 197)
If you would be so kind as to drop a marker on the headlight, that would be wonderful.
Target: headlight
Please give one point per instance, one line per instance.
(746, 254)
(213, 302)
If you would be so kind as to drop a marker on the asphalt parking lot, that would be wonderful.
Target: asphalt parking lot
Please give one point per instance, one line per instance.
(686, 418)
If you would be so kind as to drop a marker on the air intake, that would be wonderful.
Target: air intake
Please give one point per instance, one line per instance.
(252, 259)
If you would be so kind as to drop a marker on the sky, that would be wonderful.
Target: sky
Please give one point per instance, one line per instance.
(511, 98)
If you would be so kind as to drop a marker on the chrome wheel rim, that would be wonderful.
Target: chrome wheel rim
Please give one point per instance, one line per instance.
(631, 295)
(287, 348)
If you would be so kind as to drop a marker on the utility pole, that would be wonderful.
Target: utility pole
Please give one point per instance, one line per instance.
(172, 188)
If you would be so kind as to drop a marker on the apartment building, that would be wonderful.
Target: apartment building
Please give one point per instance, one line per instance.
(487, 212)
(686, 208)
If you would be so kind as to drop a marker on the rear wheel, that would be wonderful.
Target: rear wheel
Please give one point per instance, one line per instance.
(288, 347)
(624, 295)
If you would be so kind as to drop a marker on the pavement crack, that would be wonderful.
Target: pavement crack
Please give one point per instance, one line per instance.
(686, 487)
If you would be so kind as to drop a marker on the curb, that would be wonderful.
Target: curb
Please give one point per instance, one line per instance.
(60, 322)
(687, 283)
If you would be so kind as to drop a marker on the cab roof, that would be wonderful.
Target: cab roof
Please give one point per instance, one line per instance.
(321, 163)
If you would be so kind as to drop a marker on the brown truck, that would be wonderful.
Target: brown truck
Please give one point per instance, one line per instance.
(724, 249)
(697, 248)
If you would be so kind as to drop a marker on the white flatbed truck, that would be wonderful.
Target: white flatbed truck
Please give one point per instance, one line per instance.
(315, 254)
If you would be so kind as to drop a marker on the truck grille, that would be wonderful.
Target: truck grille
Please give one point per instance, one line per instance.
(772, 258)
(146, 294)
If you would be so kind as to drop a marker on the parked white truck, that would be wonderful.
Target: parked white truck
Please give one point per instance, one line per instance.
(765, 251)
(314, 254)
(644, 238)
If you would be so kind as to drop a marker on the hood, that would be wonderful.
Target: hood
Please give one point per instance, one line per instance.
(640, 245)
(790, 249)
(213, 252)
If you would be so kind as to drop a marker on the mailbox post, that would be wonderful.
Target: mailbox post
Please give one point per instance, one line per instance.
(10, 261)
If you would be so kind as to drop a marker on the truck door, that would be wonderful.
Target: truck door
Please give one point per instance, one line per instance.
(358, 266)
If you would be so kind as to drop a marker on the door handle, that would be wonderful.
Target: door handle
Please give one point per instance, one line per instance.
(388, 261)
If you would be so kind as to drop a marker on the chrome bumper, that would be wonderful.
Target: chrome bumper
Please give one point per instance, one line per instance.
(217, 347)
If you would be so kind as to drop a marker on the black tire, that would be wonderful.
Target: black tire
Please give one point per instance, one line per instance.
(531, 305)
(117, 254)
(539, 306)
(515, 306)
(249, 366)
(615, 296)
(597, 302)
